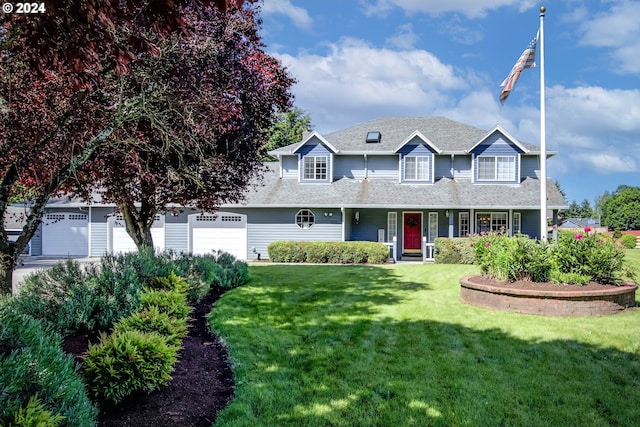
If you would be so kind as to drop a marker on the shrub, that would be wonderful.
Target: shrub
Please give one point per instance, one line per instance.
(589, 254)
(170, 302)
(512, 258)
(35, 414)
(453, 251)
(629, 241)
(333, 252)
(152, 319)
(172, 282)
(32, 363)
(127, 362)
(577, 279)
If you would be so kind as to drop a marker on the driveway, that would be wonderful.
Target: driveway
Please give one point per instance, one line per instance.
(30, 264)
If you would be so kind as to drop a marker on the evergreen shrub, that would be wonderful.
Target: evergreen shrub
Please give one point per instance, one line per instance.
(328, 252)
(127, 362)
(34, 368)
(453, 251)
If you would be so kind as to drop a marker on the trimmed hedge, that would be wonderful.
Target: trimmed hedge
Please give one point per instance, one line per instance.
(328, 252)
(454, 251)
(38, 382)
(629, 241)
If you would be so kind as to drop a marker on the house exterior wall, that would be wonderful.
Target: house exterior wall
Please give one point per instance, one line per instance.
(382, 167)
(289, 166)
(443, 167)
(351, 166)
(99, 235)
(268, 225)
(529, 167)
(462, 167)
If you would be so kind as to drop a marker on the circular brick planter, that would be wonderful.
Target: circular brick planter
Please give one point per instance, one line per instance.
(561, 302)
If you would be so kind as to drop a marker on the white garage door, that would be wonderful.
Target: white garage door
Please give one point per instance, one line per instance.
(122, 242)
(65, 234)
(222, 231)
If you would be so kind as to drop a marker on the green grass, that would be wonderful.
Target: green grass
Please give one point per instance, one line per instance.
(394, 346)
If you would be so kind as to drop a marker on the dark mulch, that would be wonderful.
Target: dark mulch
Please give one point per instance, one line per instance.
(201, 387)
(540, 286)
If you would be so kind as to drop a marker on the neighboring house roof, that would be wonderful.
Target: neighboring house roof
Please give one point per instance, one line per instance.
(580, 222)
(15, 217)
(386, 193)
(447, 135)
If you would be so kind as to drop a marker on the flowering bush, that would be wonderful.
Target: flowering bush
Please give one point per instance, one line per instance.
(589, 255)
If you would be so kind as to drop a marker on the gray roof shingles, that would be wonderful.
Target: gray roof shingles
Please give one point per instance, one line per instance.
(444, 194)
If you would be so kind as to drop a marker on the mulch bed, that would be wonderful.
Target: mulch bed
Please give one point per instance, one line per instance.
(201, 387)
(539, 286)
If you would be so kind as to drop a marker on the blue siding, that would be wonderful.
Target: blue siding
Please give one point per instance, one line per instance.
(530, 167)
(314, 148)
(349, 167)
(290, 166)
(530, 223)
(416, 149)
(382, 167)
(443, 167)
(496, 145)
(462, 167)
(272, 224)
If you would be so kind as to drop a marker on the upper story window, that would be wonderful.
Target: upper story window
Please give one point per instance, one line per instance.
(416, 168)
(315, 167)
(496, 168)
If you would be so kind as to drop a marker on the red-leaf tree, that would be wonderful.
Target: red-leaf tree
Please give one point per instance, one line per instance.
(196, 142)
(60, 75)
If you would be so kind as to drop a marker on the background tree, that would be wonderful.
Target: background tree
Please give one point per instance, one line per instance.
(59, 98)
(586, 211)
(621, 211)
(197, 141)
(599, 202)
(289, 128)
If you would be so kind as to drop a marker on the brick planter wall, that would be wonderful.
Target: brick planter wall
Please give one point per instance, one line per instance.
(549, 303)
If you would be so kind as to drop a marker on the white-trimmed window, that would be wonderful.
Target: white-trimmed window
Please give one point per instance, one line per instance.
(416, 168)
(496, 168)
(305, 219)
(315, 167)
(392, 226)
(463, 224)
(491, 221)
(433, 227)
(517, 219)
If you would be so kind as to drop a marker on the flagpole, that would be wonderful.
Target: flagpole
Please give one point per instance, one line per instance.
(543, 142)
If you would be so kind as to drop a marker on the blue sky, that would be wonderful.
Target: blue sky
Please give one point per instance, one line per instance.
(356, 60)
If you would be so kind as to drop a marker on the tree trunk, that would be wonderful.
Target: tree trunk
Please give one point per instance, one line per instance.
(7, 264)
(138, 224)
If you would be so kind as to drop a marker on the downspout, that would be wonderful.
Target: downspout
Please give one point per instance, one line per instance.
(344, 225)
(366, 167)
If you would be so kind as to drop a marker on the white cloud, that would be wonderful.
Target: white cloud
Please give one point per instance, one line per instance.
(404, 38)
(297, 15)
(469, 8)
(617, 29)
(356, 82)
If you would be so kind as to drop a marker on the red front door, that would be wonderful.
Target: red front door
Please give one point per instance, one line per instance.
(412, 236)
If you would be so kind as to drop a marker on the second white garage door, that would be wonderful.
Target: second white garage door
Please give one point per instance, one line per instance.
(221, 231)
(122, 242)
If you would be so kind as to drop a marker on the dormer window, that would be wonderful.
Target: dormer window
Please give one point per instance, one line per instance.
(315, 167)
(373, 137)
(496, 168)
(416, 168)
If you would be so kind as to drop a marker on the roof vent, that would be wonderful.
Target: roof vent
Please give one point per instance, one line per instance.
(374, 136)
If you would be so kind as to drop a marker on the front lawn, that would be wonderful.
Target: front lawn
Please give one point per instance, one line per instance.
(394, 346)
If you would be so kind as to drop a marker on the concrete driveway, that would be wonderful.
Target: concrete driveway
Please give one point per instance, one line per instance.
(30, 264)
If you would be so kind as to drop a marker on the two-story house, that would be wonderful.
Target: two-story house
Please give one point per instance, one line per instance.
(406, 180)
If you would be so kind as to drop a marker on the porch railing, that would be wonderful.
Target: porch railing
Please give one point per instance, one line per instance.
(393, 249)
(428, 250)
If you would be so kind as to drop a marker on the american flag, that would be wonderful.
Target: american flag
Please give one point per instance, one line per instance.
(526, 60)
